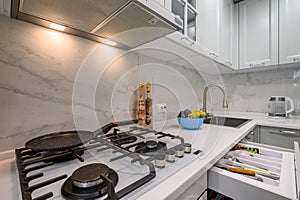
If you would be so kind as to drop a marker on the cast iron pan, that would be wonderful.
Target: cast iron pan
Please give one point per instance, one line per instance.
(66, 140)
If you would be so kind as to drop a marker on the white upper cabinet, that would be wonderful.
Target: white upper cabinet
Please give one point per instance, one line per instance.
(229, 33)
(258, 33)
(186, 10)
(218, 30)
(289, 31)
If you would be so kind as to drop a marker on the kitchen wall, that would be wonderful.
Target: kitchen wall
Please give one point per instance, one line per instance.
(250, 92)
(49, 80)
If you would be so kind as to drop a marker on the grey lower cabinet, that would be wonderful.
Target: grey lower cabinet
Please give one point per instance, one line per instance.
(281, 137)
(274, 136)
(253, 135)
(196, 191)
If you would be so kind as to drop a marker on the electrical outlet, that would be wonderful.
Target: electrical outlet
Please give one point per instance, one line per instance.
(296, 75)
(162, 107)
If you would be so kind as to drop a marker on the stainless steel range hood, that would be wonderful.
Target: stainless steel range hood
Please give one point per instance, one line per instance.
(129, 23)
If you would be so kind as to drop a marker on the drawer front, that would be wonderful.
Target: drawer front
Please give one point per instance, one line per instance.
(297, 166)
(279, 137)
(235, 188)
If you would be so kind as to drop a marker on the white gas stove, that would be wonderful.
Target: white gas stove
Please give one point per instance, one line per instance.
(132, 160)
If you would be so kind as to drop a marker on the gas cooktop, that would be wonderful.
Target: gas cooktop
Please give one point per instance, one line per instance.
(109, 166)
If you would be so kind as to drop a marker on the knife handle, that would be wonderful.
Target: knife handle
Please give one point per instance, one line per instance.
(241, 171)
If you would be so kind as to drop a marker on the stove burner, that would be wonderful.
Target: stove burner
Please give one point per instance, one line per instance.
(121, 138)
(89, 185)
(150, 147)
(89, 175)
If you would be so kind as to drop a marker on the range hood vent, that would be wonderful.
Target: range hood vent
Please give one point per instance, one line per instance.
(125, 23)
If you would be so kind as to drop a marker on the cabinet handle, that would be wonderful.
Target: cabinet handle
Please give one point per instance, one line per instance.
(190, 42)
(213, 55)
(290, 132)
(296, 59)
(257, 64)
(229, 63)
(287, 133)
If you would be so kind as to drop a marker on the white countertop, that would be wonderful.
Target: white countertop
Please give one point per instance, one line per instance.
(213, 140)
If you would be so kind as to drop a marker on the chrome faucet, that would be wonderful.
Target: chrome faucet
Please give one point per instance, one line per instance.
(225, 104)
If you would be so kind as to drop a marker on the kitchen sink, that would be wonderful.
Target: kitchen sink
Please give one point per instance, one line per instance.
(227, 121)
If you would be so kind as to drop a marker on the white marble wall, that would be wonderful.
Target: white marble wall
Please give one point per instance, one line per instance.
(37, 70)
(250, 92)
(43, 73)
(49, 80)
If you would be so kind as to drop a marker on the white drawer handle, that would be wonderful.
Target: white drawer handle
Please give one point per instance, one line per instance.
(188, 40)
(256, 64)
(229, 63)
(296, 59)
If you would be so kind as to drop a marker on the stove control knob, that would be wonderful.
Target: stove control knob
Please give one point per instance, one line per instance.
(187, 147)
(179, 151)
(170, 155)
(160, 160)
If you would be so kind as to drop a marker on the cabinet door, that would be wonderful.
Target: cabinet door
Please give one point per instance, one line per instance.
(196, 190)
(218, 30)
(228, 33)
(258, 29)
(210, 26)
(289, 31)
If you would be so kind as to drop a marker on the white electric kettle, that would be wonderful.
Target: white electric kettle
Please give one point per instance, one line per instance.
(278, 106)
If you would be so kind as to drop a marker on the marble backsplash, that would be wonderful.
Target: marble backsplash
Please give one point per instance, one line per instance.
(50, 81)
(250, 92)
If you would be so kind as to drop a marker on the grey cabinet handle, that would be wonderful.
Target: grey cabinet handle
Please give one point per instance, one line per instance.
(287, 133)
(290, 132)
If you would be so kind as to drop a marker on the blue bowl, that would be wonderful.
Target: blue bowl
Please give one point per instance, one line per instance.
(190, 123)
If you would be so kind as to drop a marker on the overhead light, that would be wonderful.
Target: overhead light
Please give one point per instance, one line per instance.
(57, 27)
(110, 42)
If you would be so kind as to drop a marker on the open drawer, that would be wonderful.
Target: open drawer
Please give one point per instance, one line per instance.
(279, 183)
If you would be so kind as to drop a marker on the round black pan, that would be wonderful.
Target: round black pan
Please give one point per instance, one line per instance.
(66, 140)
